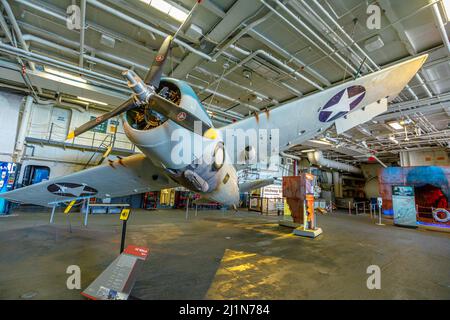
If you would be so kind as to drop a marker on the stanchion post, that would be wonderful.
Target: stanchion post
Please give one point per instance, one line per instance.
(87, 212)
(124, 231)
(52, 217)
(187, 208)
(379, 217)
(124, 216)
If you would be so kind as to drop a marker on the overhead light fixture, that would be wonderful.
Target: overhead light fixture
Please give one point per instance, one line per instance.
(93, 101)
(321, 142)
(308, 150)
(178, 14)
(167, 8)
(161, 5)
(396, 125)
(374, 43)
(392, 138)
(64, 74)
(446, 4)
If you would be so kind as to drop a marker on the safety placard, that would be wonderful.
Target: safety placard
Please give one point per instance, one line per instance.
(125, 214)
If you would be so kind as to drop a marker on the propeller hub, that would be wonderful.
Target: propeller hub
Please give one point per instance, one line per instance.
(143, 92)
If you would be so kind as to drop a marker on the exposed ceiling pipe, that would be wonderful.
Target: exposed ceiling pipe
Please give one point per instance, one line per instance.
(82, 31)
(5, 29)
(391, 16)
(317, 158)
(109, 64)
(187, 22)
(267, 56)
(353, 42)
(4, 26)
(16, 29)
(318, 38)
(379, 161)
(249, 28)
(63, 65)
(62, 18)
(257, 93)
(290, 156)
(70, 51)
(441, 27)
(219, 110)
(241, 33)
(292, 89)
(120, 60)
(119, 15)
(277, 48)
(224, 96)
(300, 9)
(142, 25)
(126, 63)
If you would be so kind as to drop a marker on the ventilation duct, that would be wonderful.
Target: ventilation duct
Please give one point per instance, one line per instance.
(317, 158)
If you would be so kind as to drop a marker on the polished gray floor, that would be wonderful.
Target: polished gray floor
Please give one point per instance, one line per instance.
(223, 255)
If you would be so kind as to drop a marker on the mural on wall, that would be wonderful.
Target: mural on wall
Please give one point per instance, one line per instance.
(431, 188)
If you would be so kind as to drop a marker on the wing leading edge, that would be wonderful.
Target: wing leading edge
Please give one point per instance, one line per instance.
(130, 175)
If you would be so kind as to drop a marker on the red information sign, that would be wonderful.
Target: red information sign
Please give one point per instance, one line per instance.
(140, 252)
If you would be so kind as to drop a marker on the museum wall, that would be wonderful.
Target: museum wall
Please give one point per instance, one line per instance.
(10, 105)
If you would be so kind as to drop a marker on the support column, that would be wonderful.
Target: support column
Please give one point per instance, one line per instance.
(20, 142)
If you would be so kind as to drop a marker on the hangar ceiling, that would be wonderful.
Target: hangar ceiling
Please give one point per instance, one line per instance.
(241, 56)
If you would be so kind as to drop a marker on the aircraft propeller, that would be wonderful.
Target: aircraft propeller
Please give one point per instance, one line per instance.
(145, 94)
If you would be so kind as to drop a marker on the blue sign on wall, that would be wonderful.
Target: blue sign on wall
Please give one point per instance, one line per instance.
(7, 178)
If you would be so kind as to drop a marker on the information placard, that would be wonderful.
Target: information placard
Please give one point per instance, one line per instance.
(404, 206)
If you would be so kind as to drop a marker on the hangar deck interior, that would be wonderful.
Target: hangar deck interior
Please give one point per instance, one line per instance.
(358, 92)
(223, 255)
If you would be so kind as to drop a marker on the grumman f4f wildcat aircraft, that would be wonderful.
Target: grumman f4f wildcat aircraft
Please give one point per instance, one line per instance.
(165, 119)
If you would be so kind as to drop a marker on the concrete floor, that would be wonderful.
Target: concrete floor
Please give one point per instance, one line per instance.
(223, 255)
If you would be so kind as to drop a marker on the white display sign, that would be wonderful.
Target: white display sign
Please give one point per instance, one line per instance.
(272, 191)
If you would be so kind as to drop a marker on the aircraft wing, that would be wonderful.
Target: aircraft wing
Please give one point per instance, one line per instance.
(303, 119)
(133, 174)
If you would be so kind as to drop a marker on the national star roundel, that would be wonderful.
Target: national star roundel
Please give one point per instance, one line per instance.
(69, 189)
(342, 103)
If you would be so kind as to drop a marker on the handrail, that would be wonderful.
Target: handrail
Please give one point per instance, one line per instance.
(102, 144)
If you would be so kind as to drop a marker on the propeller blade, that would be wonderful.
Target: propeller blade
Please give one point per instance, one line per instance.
(127, 105)
(153, 76)
(181, 116)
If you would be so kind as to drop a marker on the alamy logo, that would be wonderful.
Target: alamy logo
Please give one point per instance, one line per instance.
(374, 280)
(73, 20)
(374, 19)
(74, 280)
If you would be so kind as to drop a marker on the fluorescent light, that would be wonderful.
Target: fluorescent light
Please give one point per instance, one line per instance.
(161, 5)
(93, 101)
(320, 142)
(64, 74)
(446, 4)
(308, 150)
(167, 8)
(396, 125)
(177, 14)
(392, 138)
